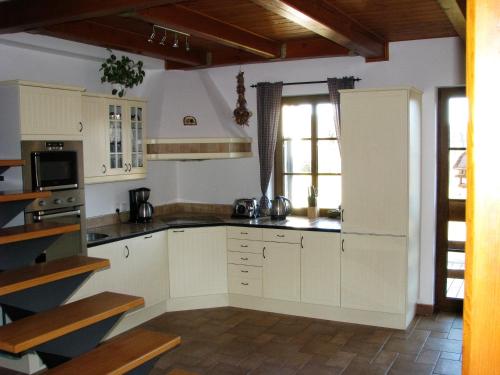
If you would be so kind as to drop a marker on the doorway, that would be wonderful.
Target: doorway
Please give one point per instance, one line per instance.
(452, 118)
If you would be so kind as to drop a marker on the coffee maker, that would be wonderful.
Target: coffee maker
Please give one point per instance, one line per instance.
(141, 211)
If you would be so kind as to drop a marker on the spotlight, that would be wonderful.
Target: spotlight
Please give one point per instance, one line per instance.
(176, 41)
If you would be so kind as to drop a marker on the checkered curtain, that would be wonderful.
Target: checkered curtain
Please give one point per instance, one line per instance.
(268, 116)
(334, 85)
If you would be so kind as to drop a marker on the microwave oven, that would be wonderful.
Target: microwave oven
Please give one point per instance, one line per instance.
(54, 165)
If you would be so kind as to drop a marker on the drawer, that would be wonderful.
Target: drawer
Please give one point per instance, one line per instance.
(250, 287)
(280, 235)
(248, 272)
(248, 259)
(244, 233)
(245, 246)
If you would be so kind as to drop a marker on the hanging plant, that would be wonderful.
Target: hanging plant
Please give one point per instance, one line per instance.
(123, 73)
(241, 113)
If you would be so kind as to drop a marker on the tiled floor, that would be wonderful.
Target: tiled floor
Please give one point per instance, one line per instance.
(236, 341)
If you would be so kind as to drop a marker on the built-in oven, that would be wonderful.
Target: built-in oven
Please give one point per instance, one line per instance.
(56, 166)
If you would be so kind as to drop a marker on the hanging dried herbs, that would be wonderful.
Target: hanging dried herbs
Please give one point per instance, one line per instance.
(241, 113)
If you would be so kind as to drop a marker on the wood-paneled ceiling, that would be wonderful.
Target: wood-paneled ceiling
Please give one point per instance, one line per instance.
(224, 32)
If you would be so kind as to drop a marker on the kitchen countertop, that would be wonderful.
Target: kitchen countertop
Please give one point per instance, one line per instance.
(117, 232)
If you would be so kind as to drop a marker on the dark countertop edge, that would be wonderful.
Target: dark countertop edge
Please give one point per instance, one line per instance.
(198, 225)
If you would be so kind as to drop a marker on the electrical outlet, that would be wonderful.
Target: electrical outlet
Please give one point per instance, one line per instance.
(123, 206)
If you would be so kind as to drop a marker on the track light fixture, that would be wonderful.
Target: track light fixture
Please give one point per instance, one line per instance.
(164, 38)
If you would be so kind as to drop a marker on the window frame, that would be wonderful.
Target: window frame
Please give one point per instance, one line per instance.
(279, 172)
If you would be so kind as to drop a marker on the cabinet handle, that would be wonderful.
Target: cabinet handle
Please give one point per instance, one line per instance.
(128, 252)
(244, 284)
(280, 235)
(342, 245)
(179, 231)
(342, 216)
(129, 167)
(243, 245)
(81, 126)
(104, 168)
(243, 232)
(264, 252)
(150, 236)
(244, 258)
(244, 271)
(301, 241)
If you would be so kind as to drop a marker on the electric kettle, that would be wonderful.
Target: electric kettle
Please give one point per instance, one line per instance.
(280, 207)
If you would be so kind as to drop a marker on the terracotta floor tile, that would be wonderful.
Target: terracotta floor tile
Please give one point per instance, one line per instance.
(444, 345)
(428, 356)
(434, 325)
(404, 367)
(448, 367)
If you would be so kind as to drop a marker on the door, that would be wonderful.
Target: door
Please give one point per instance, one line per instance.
(374, 161)
(451, 198)
(373, 273)
(137, 134)
(197, 261)
(148, 267)
(116, 138)
(320, 272)
(281, 271)
(94, 115)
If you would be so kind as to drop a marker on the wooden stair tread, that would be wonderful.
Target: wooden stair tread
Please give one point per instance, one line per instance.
(27, 277)
(120, 354)
(45, 326)
(36, 230)
(11, 163)
(14, 195)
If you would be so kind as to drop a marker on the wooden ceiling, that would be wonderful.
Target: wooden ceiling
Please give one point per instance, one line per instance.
(224, 32)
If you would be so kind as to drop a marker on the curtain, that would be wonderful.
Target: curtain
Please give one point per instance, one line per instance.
(334, 85)
(268, 115)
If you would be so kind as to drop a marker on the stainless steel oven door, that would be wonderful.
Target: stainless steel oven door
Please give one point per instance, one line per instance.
(68, 244)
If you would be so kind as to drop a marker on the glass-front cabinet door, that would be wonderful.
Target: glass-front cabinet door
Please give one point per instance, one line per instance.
(116, 154)
(137, 134)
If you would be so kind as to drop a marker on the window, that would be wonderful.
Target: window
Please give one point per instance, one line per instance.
(307, 153)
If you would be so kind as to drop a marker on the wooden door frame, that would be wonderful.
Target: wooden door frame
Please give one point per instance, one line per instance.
(444, 212)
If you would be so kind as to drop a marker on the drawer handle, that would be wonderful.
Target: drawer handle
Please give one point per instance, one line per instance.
(244, 284)
(128, 252)
(179, 231)
(264, 252)
(244, 258)
(244, 271)
(280, 235)
(150, 236)
(301, 242)
(81, 127)
(243, 232)
(243, 245)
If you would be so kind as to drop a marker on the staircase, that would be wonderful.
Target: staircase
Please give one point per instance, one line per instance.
(66, 336)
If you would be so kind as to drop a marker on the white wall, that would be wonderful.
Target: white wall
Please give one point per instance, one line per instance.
(211, 95)
(425, 64)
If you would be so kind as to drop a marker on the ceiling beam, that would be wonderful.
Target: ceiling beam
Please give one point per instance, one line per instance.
(313, 47)
(22, 15)
(453, 10)
(91, 32)
(200, 25)
(329, 22)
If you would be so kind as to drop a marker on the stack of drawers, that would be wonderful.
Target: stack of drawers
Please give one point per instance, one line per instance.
(245, 259)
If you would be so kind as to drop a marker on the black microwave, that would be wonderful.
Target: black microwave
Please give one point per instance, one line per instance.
(54, 170)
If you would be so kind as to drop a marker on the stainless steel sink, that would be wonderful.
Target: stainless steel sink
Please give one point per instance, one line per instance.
(92, 236)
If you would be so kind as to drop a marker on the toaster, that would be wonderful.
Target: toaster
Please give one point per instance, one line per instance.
(246, 207)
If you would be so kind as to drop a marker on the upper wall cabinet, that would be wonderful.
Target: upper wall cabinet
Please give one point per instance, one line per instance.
(38, 111)
(113, 138)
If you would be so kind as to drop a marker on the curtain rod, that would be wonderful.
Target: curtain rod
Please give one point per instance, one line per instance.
(355, 79)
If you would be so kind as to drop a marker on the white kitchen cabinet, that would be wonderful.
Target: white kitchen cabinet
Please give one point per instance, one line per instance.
(139, 266)
(380, 160)
(197, 261)
(320, 268)
(41, 111)
(114, 129)
(281, 271)
(374, 273)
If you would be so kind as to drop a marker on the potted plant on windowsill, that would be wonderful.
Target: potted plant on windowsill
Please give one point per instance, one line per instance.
(122, 73)
(312, 200)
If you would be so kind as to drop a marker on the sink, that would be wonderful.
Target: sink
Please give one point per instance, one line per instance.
(92, 236)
